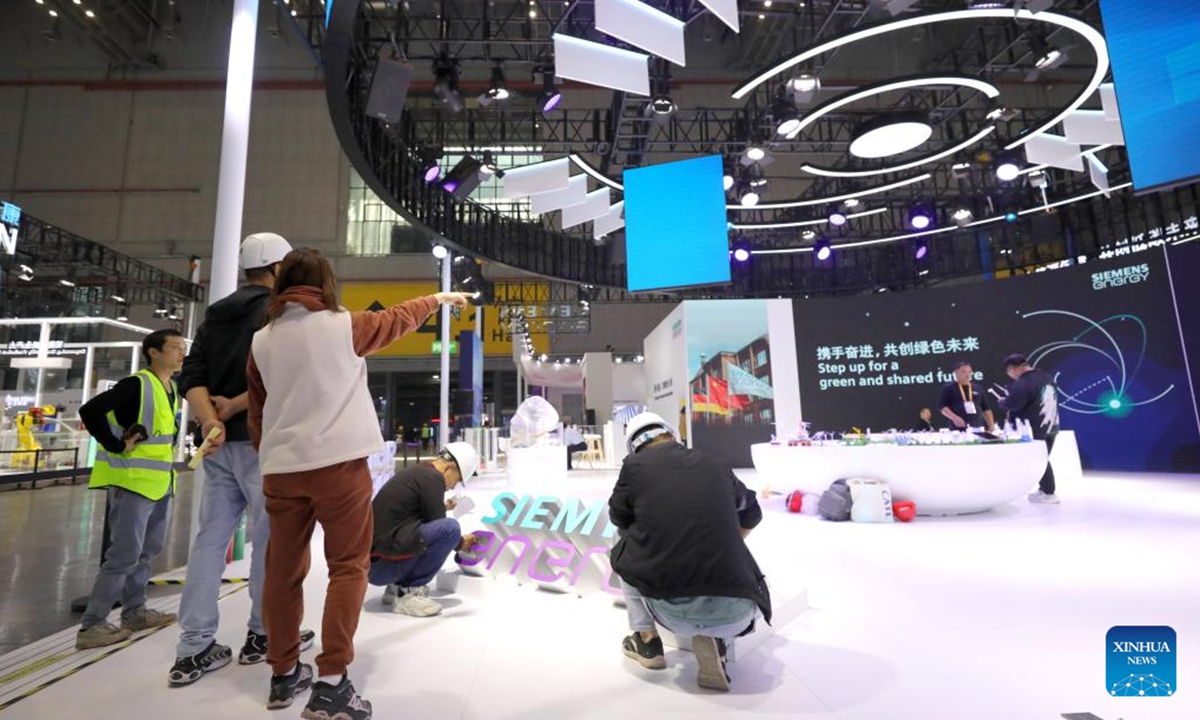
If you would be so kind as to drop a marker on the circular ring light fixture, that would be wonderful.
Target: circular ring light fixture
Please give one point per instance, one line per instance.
(890, 134)
(1092, 35)
(825, 172)
(908, 83)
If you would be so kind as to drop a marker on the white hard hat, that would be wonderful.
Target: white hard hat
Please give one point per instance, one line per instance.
(262, 249)
(465, 457)
(642, 429)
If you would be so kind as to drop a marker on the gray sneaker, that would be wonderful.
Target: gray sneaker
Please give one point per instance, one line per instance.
(1042, 498)
(101, 635)
(144, 618)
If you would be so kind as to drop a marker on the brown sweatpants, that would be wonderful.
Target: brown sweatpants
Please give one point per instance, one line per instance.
(338, 497)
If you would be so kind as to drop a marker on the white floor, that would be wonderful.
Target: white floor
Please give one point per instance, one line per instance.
(1001, 615)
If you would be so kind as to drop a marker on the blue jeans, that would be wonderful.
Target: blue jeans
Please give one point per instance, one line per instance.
(643, 617)
(441, 538)
(232, 485)
(138, 529)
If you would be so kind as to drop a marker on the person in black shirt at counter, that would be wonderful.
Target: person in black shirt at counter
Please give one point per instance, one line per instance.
(963, 403)
(925, 421)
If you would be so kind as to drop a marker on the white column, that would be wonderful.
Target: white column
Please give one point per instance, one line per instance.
(235, 140)
(444, 425)
(89, 365)
(43, 352)
(185, 412)
(135, 360)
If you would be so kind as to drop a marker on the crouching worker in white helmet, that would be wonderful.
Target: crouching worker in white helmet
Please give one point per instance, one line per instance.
(413, 536)
(682, 557)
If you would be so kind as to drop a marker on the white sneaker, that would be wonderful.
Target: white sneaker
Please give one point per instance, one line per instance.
(416, 605)
(389, 594)
(1042, 498)
(422, 591)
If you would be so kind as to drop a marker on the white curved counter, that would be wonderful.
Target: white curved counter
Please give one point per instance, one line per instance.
(940, 479)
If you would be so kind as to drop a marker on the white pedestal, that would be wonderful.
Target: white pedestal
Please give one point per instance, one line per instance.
(537, 465)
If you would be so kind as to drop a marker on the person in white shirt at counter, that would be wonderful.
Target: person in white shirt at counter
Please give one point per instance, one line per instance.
(574, 442)
(963, 403)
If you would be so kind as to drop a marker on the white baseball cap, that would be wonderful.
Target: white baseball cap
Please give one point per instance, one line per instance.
(262, 249)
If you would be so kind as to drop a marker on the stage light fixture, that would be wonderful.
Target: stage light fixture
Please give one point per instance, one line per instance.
(808, 235)
(1039, 179)
(26, 273)
(488, 167)
(741, 251)
(662, 104)
(1008, 169)
(440, 252)
(755, 152)
(1047, 57)
(837, 218)
(921, 217)
(920, 249)
(963, 215)
(890, 135)
(498, 90)
(749, 196)
(755, 176)
(463, 178)
(785, 113)
(1011, 216)
(804, 87)
(161, 309)
(551, 96)
(431, 167)
(851, 203)
(122, 314)
(823, 250)
(445, 86)
(729, 181)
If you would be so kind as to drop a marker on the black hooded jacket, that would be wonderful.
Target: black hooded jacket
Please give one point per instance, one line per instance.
(217, 360)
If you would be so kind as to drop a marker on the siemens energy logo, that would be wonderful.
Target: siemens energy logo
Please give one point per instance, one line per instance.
(1121, 277)
(1141, 661)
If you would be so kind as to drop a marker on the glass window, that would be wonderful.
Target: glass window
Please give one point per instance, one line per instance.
(762, 358)
(369, 221)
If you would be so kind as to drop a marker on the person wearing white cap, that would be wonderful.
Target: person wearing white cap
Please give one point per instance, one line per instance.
(214, 382)
(413, 536)
(681, 557)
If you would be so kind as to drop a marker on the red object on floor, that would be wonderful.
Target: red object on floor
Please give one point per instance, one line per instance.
(904, 510)
(794, 501)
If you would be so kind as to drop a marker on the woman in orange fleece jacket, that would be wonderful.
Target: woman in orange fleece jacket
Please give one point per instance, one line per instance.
(314, 425)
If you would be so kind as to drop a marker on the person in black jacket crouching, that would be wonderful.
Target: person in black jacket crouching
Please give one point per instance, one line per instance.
(681, 557)
(413, 536)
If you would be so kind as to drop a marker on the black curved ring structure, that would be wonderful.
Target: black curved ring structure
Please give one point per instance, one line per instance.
(392, 171)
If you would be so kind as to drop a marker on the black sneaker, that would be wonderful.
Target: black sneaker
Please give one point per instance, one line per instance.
(188, 670)
(648, 654)
(336, 702)
(285, 688)
(255, 649)
(710, 656)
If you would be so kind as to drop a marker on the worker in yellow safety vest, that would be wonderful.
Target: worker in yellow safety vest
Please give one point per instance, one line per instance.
(136, 424)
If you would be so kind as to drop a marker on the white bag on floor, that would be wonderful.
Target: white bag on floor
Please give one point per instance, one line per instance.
(872, 501)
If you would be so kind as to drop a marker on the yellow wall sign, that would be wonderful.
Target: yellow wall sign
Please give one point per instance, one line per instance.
(376, 296)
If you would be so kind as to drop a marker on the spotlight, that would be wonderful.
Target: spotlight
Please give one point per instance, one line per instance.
(920, 217)
(1039, 179)
(176, 313)
(66, 282)
(1047, 56)
(26, 273)
(741, 251)
(445, 86)
(551, 96)
(662, 105)
(1007, 169)
(851, 203)
(787, 117)
(489, 167)
(756, 177)
(463, 178)
(837, 218)
(963, 215)
(750, 198)
(122, 312)
(823, 250)
(118, 296)
(440, 252)
(808, 235)
(755, 152)
(804, 87)
(431, 168)
(1010, 216)
(728, 181)
(498, 90)
(920, 249)
(161, 309)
